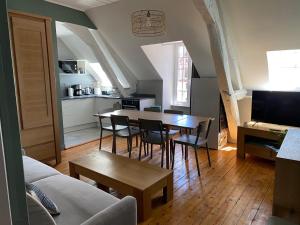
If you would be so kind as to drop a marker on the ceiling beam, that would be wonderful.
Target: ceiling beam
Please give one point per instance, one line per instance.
(210, 13)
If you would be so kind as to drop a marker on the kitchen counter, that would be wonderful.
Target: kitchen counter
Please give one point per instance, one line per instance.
(107, 96)
(89, 96)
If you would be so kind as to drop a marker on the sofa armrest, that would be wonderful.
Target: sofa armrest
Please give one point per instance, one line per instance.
(120, 213)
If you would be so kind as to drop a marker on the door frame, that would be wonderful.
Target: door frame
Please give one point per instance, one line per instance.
(10, 128)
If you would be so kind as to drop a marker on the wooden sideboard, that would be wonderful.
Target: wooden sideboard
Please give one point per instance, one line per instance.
(286, 199)
(259, 139)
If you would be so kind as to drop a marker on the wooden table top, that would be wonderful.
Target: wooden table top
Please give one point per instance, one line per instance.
(182, 121)
(136, 174)
(290, 148)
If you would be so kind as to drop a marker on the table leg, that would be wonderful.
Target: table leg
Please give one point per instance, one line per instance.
(168, 190)
(144, 205)
(73, 172)
(103, 187)
(167, 148)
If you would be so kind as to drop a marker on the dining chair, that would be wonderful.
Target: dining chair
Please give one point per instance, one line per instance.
(195, 141)
(152, 133)
(129, 132)
(175, 112)
(152, 109)
(106, 128)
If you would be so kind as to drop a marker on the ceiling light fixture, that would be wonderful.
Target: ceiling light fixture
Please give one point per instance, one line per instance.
(148, 23)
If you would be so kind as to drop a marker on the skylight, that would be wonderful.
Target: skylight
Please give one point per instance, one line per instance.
(105, 82)
(284, 69)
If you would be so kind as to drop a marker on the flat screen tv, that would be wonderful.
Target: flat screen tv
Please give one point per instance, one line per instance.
(276, 107)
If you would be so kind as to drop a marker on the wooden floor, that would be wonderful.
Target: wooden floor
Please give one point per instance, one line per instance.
(231, 192)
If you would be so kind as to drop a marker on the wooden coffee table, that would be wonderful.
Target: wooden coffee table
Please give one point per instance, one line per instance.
(126, 176)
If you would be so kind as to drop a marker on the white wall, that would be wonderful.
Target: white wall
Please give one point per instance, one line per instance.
(64, 53)
(183, 22)
(258, 26)
(5, 216)
(162, 58)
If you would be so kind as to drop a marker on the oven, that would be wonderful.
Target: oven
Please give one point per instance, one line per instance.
(131, 104)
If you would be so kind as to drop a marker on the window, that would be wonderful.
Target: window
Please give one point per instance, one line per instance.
(284, 69)
(105, 82)
(183, 72)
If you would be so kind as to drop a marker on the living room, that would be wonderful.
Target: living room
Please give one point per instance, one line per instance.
(149, 112)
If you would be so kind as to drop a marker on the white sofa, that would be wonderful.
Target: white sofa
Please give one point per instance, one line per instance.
(78, 202)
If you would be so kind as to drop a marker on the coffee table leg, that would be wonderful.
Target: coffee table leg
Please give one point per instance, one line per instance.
(168, 190)
(103, 187)
(144, 205)
(73, 172)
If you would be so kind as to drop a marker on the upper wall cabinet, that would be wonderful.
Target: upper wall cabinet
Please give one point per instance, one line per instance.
(35, 85)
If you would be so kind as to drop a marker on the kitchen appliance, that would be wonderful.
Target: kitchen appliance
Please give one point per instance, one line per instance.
(87, 91)
(70, 92)
(97, 91)
(77, 89)
(68, 66)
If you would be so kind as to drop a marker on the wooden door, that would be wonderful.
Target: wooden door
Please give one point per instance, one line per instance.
(35, 85)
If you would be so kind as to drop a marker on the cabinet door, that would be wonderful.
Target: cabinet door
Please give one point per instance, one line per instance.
(78, 112)
(33, 85)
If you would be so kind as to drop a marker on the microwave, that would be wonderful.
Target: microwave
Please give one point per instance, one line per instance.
(68, 66)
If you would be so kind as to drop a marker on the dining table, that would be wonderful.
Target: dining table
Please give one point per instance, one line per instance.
(169, 120)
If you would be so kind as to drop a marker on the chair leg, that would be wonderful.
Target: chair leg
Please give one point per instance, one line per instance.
(114, 147)
(162, 156)
(145, 152)
(140, 152)
(136, 140)
(186, 152)
(147, 148)
(130, 146)
(196, 156)
(173, 154)
(151, 154)
(100, 144)
(208, 156)
(182, 150)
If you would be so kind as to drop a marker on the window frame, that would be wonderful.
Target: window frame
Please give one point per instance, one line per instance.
(176, 75)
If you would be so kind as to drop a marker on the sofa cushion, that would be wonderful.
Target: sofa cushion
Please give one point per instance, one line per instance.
(37, 214)
(40, 196)
(35, 170)
(77, 200)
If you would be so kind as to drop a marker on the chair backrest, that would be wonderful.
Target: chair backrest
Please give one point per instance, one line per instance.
(119, 120)
(203, 129)
(152, 109)
(151, 125)
(148, 126)
(171, 111)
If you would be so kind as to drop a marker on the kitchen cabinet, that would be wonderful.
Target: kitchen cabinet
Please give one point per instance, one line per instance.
(103, 105)
(78, 112)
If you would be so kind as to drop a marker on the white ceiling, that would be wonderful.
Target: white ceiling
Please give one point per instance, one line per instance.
(82, 5)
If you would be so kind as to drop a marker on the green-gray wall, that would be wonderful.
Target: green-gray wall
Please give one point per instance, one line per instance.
(10, 127)
(57, 13)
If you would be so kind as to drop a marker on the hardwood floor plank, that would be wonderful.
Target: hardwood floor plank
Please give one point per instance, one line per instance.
(232, 191)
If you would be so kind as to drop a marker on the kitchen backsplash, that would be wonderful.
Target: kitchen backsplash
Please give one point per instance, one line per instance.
(68, 80)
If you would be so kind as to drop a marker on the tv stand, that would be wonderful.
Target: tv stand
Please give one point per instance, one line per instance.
(260, 139)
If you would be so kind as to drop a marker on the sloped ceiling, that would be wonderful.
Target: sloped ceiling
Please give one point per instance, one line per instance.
(256, 27)
(183, 22)
(82, 4)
